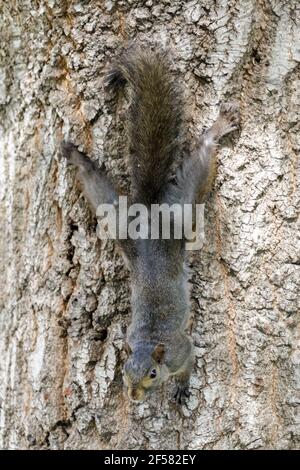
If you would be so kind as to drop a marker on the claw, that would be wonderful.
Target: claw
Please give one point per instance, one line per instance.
(66, 149)
(230, 107)
(70, 152)
(182, 392)
(230, 116)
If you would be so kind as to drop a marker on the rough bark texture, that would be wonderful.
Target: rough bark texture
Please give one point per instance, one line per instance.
(64, 293)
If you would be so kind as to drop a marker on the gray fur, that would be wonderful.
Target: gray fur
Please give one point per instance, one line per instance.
(157, 338)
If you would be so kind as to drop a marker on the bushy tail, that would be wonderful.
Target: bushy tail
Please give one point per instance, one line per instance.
(154, 121)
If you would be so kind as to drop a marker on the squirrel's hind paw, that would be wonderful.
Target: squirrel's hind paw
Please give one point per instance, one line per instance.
(66, 149)
(70, 152)
(181, 394)
(230, 116)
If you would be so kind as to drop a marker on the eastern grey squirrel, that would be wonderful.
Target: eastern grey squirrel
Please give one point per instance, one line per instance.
(157, 343)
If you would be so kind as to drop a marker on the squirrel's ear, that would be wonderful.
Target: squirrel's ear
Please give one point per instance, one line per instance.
(127, 349)
(159, 353)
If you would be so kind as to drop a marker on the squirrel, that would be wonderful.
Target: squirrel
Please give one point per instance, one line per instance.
(157, 344)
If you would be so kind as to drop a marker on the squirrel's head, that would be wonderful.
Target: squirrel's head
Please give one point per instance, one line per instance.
(143, 370)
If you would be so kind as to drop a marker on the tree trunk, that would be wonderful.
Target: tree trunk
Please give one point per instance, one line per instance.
(65, 294)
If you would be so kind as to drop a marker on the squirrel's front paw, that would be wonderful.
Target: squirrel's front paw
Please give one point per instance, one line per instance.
(230, 116)
(182, 393)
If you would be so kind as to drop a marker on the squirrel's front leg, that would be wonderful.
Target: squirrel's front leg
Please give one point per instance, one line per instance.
(95, 184)
(181, 367)
(197, 173)
(182, 379)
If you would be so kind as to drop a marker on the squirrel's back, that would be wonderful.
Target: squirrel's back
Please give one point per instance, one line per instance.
(154, 122)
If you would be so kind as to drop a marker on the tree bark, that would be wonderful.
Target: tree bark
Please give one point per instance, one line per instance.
(64, 294)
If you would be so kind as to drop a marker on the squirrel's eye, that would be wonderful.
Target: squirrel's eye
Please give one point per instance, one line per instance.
(153, 374)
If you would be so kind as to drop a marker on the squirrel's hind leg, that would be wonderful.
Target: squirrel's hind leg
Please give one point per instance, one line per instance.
(197, 173)
(95, 184)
